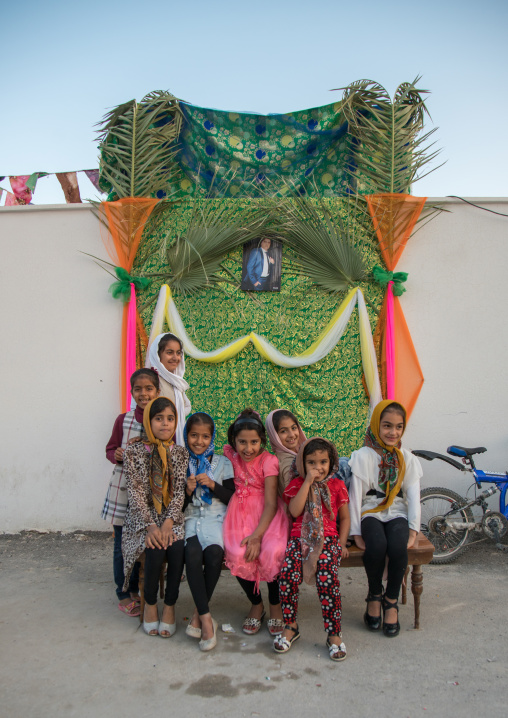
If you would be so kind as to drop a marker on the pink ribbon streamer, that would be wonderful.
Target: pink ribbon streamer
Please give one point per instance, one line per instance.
(130, 345)
(390, 344)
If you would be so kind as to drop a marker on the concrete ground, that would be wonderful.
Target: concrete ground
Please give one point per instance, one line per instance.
(66, 650)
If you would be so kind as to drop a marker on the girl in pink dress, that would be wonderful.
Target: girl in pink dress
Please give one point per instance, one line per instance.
(256, 526)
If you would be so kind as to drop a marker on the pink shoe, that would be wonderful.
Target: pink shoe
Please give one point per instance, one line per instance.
(131, 609)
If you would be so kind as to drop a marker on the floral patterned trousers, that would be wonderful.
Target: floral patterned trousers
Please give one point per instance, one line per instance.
(327, 582)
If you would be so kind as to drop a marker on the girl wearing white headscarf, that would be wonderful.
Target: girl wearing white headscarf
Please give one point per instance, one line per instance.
(166, 356)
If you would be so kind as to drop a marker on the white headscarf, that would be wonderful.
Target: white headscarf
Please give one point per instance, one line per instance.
(180, 386)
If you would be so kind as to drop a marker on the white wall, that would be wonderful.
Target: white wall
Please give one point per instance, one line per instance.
(455, 306)
(60, 332)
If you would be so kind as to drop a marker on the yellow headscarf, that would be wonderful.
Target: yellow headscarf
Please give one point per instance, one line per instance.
(160, 464)
(399, 462)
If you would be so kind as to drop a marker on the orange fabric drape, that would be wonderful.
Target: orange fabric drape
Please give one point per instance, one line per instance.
(394, 217)
(125, 219)
(408, 374)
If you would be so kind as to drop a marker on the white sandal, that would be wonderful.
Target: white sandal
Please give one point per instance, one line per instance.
(170, 629)
(281, 644)
(208, 643)
(193, 631)
(337, 652)
(152, 626)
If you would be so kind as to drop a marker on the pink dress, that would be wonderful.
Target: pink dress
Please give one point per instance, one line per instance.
(243, 515)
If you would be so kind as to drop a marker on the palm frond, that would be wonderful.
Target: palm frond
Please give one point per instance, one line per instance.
(391, 153)
(328, 247)
(138, 145)
(215, 228)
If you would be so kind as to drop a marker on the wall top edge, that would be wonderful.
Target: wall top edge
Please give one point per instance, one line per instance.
(48, 207)
(86, 206)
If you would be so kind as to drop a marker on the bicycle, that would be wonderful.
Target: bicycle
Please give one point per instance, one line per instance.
(447, 519)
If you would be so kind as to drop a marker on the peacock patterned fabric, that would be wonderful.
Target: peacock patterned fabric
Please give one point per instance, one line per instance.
(311, 148)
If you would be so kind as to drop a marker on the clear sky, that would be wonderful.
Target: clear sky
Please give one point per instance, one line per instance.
(63, 64)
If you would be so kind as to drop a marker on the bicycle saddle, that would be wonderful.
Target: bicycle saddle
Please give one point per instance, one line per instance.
(462, 451)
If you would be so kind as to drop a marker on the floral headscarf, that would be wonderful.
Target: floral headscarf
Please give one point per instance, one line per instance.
(313, 536)
(392, 467)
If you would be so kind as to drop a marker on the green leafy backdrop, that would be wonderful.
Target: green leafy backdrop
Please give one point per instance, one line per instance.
(328, 397)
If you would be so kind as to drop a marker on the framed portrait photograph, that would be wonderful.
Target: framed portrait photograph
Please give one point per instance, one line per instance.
(261, 265)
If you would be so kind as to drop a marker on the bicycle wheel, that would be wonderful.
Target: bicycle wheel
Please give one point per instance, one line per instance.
(449, 542)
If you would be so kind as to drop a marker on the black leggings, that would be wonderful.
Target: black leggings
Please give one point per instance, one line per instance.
(255, 598)
(202, 582)
(382, 540)
(154, 558)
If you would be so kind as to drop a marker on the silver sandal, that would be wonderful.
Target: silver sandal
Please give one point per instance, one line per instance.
(337, 653)
(281, 644)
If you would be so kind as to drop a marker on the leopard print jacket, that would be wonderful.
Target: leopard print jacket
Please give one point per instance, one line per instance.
(141, 510)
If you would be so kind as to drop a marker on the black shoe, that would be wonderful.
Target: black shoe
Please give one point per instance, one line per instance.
(373, 623)
(390, 629)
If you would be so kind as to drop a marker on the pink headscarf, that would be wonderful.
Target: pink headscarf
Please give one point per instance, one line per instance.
(276, 443)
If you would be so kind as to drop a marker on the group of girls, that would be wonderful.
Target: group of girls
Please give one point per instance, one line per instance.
(280, 519)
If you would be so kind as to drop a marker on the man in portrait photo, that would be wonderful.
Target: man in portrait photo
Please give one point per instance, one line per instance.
(259, 272)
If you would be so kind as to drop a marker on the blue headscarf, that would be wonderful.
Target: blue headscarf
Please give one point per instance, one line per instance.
(199, 463)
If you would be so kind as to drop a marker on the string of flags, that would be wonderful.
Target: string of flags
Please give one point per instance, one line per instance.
(23, 186)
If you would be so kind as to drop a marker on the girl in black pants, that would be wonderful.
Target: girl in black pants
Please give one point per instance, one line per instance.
(385, 511)
(155, 477)
(210, 485)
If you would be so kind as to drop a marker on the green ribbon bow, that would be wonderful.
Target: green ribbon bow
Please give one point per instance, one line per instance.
(122, 288)
(383, 276)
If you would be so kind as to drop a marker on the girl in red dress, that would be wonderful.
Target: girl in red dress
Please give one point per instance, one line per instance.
(315, 498)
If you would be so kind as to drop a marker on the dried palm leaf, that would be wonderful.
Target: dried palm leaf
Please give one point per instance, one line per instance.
(215, 228)
(391, 153)
(138, 145)
(328, 247)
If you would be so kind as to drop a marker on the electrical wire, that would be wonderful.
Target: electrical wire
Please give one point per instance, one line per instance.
(454, 196)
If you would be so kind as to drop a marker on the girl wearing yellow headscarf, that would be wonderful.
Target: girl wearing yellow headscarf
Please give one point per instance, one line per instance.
(385, 510)
(155, 471)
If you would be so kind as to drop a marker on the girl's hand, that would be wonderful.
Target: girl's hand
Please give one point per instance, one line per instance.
(134, 440)
(204, 480)
(359, 542)
(167, 535)
(312, 475)
(119, 454)
(345, 552)
(412, 538)
(154, 537)
(253, 549)
(191, 484)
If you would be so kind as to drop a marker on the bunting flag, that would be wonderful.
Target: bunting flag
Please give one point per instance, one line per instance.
(69, 183)
(93, 176)
(22, 193)
(24, 186)
(166, 309)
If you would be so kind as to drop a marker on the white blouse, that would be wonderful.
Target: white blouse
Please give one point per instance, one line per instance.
(364, 464)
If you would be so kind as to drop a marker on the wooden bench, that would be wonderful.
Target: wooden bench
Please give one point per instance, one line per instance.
(421, 553)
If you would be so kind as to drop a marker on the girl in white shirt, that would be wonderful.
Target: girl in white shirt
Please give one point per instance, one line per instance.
(385, 510)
